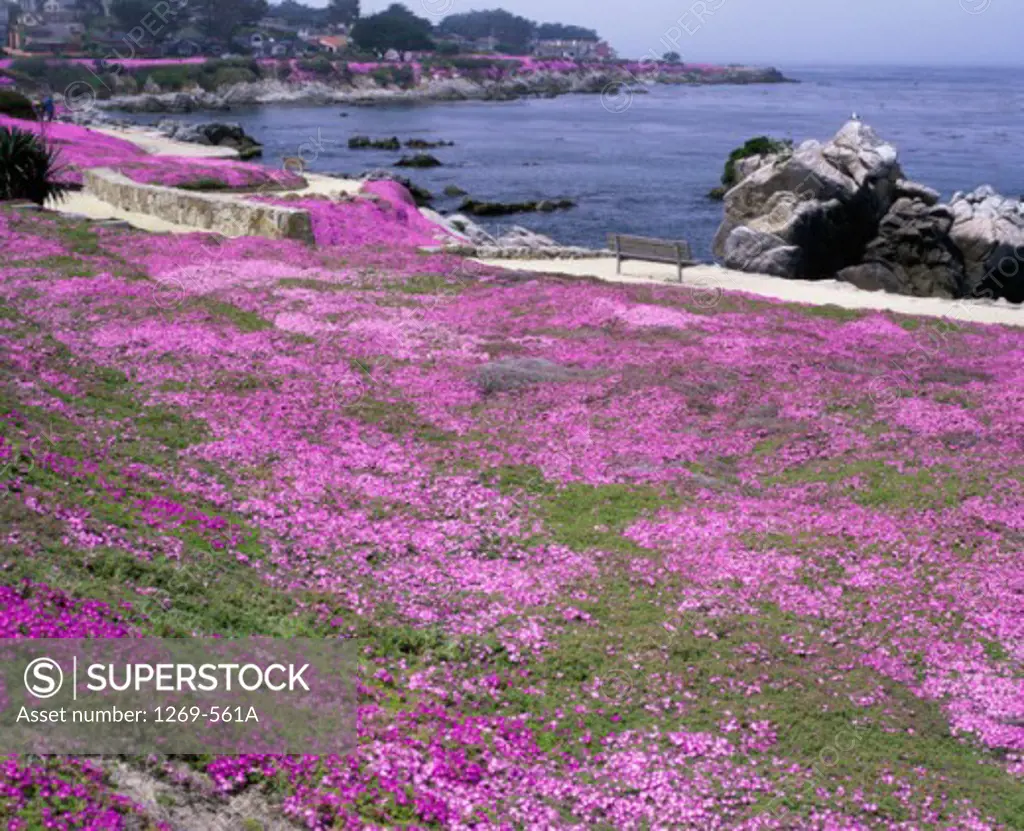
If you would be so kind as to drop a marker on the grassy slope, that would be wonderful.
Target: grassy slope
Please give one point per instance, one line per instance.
(747, 666)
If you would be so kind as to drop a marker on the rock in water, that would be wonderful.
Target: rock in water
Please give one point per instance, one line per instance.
(419, 160)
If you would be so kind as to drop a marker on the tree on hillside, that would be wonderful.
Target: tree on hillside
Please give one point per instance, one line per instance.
(511, 30)
(344, 12)
(129, 14)
(89, 9)
(220, 18)
(560, 31)
(671, 57)
(395, 28)
(296, 14)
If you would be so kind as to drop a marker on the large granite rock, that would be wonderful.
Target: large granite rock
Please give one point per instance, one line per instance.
(913, 253)
(843, 209)
(989, 231)
(826, 200)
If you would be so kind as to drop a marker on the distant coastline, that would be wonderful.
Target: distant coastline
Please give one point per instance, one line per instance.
(190, 84)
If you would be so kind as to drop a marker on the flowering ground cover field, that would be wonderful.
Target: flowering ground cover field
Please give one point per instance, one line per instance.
(616, 557)
(80, 148)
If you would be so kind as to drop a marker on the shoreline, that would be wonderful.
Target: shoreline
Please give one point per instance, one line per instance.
(711, 281)
(615, 85)
(706, 278)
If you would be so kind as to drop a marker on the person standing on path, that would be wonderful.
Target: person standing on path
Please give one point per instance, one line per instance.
(48, 108)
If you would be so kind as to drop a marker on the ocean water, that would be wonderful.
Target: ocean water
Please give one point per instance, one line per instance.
(646, 168)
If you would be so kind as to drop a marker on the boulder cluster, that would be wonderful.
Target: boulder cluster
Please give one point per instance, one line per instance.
(844, 210)
(214, 133)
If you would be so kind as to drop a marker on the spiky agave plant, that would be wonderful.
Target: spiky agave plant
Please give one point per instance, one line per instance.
(29, 168)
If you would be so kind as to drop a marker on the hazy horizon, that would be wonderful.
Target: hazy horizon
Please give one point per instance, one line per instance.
(787, 33)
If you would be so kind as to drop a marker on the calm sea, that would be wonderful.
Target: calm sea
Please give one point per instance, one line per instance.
(646, 169)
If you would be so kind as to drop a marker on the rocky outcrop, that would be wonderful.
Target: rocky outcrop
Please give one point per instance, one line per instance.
(214, 134)
(367, 143)
(424, 144)
(510, 374)
(821, 205)
(419, 160)
(844, 210)
(478, 208)
(364, 90)
(516, 243)
(989, 231)
(912, 254)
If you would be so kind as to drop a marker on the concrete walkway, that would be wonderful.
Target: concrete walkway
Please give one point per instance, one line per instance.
(709, 280)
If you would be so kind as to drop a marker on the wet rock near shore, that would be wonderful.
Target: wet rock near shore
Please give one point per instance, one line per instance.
(516, 243)
(215, 134)
(393, 143)
(423, 144)
(420, 195)
(366, 143)
(844, 210)
(478, 208)
(419, 160)
(174, 102)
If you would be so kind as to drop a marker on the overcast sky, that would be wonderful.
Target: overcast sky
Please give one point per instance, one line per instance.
(781, 32)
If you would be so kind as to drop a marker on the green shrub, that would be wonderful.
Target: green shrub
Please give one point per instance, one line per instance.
(32, 67)
(16, 105)
(399, 76)
(318, 65)
(403, 76)
(56, 75)
(477, 63)
(758, 146)
(228, 75)
(28, 168)
(205, 183)
(172, 77)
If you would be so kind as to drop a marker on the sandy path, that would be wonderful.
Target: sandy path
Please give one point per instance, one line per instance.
(709, 279)
(159, 145)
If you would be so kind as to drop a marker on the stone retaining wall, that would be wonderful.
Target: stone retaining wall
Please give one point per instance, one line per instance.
(230, 216)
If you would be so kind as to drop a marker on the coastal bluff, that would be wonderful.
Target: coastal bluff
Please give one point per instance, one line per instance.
(844, 210)
(366, 85)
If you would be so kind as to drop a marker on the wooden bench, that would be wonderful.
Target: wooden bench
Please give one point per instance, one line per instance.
(650, 250)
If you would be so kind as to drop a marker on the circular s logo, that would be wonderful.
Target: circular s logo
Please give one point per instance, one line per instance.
(44, 678)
